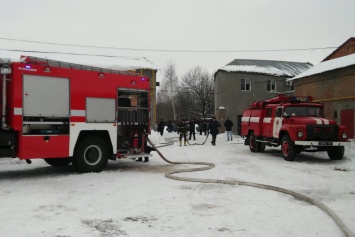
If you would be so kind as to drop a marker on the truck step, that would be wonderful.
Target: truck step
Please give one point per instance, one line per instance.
(133, 155)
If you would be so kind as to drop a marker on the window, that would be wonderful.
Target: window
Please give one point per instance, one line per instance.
(290, 85)
(268, 113)
(278, 112)
(271, 86)
(309, 111)
(335, 114)
(246, 84)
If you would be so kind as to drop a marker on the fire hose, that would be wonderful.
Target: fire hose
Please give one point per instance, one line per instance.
(203, 143)
(208, 166)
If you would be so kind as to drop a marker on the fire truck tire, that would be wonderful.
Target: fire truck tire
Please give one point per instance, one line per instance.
(91, 155)
(261, 147)
(58, 162)
(288, 148)
(336, 153)
(253, 144)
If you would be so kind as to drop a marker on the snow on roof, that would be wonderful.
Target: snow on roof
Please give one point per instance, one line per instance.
(329, 65)
(121, 63)
(114, 63)
(254, 69)
(269, 67)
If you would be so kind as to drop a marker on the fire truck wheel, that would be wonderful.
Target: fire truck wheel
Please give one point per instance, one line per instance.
(253, 144)
(288, 148)
(91, 155)
(336, 153)
(261, 147)
(57, 162)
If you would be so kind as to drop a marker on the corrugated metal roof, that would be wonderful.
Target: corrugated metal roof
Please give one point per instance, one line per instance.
(329, 65)
(269, 67)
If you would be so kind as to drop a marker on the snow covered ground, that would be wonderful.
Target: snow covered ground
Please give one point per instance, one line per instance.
(135, 199)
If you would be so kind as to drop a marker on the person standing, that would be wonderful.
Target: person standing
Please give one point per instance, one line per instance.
(200, 127)
(170, 126)
(161, 126)
(182, 129)
(229, 124)
(204, 127)
(192, 129)
(213, 128)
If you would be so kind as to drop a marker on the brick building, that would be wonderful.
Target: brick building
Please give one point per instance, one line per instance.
(347, 48)
(332, 83)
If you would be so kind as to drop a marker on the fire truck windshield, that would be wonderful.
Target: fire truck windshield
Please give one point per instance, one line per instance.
(308, 111)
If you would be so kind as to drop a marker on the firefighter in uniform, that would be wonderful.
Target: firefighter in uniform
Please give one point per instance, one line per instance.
(182, 128)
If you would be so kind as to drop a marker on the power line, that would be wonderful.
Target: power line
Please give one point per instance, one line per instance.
(55, 52)
(168, 50)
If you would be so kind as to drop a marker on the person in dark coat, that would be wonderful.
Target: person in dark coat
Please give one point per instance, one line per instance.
(170, 126)
(182, 128)
(192, 129)
(229, 124)
(200, 127)
(161, 126)
(204, 127)
(213, 128)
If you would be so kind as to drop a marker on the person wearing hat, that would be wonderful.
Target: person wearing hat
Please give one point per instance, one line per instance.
(182, 129)
(213, 128)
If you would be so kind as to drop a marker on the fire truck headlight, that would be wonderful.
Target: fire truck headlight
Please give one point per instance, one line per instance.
(344, 136)
(300, 134)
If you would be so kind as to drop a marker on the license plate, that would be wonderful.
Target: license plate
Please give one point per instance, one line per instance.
(325, 143)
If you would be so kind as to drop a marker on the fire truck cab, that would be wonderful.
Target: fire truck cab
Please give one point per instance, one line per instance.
(69, 113)
(295, 123)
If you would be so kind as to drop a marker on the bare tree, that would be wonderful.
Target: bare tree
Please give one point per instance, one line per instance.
(200, 84)
(170, 84)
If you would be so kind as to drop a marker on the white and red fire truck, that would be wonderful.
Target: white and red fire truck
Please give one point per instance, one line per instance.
(295, 123)
(70, 113)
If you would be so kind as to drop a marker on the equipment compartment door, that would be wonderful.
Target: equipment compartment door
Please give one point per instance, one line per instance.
(42, 146)
(45, 96)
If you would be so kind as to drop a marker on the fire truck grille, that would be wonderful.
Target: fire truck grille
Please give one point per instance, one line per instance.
(322, 132)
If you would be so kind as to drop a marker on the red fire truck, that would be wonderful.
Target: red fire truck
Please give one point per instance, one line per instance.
(295, 123)
(69, 113)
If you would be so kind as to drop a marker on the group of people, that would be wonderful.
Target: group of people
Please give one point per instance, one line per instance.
(212, 127)
(183, 127)
(161, 125)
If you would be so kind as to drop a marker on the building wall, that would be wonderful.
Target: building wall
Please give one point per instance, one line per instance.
(346, 49)
(334, 89)
(228, 93)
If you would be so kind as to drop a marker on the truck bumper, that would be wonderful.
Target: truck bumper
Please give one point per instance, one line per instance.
(322, 143)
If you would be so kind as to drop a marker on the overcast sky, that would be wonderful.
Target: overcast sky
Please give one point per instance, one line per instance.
(174, 25)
